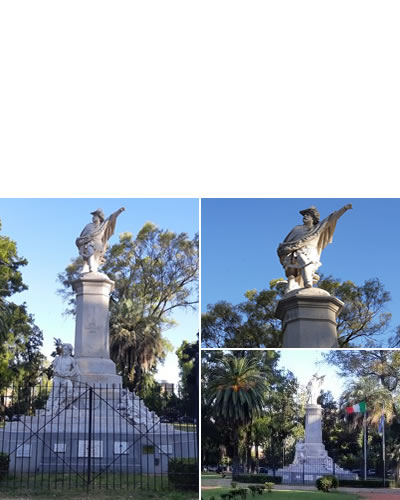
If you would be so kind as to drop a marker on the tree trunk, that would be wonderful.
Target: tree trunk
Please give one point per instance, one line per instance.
(235, 461)
(248, 451)
(257, 458)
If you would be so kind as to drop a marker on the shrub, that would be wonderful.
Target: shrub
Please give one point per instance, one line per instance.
(269, 486)
(259, 488)
(183, 475)
(335, 481)
(241, 492)
(258, 478)
(324, 483)
(233, 484)
(4, 464)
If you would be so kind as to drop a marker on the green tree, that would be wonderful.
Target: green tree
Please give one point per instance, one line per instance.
(20, 339)
(188, 359)
(285, 416)
(341, 440)
(363, 317)
(252, 323)
(236, 390)
(154, 273)
(383, 365)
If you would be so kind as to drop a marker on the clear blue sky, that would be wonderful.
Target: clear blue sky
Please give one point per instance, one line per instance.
(45, 231)
(240, 238)
(303, 363)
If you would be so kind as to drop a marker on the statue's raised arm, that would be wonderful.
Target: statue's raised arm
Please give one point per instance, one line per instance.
(92, 242)
(300, 251)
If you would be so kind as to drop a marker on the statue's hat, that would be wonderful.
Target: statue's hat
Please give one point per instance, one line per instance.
(99, 212)
(313, 211)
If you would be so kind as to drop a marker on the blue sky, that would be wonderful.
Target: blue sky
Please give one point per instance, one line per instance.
(240, 238)
(305, 362)
(45, 231)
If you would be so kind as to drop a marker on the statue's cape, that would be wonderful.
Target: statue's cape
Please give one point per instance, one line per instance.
(322, 232)
(105, 231)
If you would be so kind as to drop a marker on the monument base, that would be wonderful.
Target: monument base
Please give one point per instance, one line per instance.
(96, 371)
(308, 318)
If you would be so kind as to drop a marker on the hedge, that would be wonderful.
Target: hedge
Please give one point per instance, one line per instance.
(258, 478)
(4, 463)
(369, 483)
(183, 475)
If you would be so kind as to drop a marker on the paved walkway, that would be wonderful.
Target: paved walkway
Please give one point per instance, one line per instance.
(377, 495)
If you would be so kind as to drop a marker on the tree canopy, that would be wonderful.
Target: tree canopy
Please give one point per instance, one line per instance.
(154, 274)
(252, 323)
(20, 339)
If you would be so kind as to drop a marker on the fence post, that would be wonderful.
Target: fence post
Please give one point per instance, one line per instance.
(90, 437)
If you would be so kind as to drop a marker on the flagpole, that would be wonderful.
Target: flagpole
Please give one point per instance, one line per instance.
(383, 445)
(365, 446)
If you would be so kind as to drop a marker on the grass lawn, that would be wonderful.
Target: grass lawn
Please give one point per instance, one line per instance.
(115, 487)
(284, 495)
(21, 494)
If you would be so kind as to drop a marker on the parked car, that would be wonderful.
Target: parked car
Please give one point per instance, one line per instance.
(167, 420)
(186, 420)
(212, 468)
(263, 470)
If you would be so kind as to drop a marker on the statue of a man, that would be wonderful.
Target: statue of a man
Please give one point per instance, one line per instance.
(300, 455)
(301, 250)
(92, 242)
(314, 388)
(66, 372)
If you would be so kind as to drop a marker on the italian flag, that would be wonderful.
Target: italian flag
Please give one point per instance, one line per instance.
(358, 408)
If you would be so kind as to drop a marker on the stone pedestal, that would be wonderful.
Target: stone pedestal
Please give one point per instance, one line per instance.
(308, 318)
(92, 336)
(313, 430)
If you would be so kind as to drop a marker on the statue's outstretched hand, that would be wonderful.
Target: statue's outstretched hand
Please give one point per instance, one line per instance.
(348, 206)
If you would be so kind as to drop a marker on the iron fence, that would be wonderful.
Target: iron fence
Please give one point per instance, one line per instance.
(70, 435)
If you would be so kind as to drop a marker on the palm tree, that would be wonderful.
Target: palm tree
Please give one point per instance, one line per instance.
(236, 390)
(136, 342)
(376, 396)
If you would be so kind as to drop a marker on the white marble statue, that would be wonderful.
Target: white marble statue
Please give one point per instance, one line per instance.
(300, 453)
(314, 388)
(131, 407)
(66, 372)
(301, 250)
(92, 242)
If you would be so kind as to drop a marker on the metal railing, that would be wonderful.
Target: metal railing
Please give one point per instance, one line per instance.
(70, 435)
